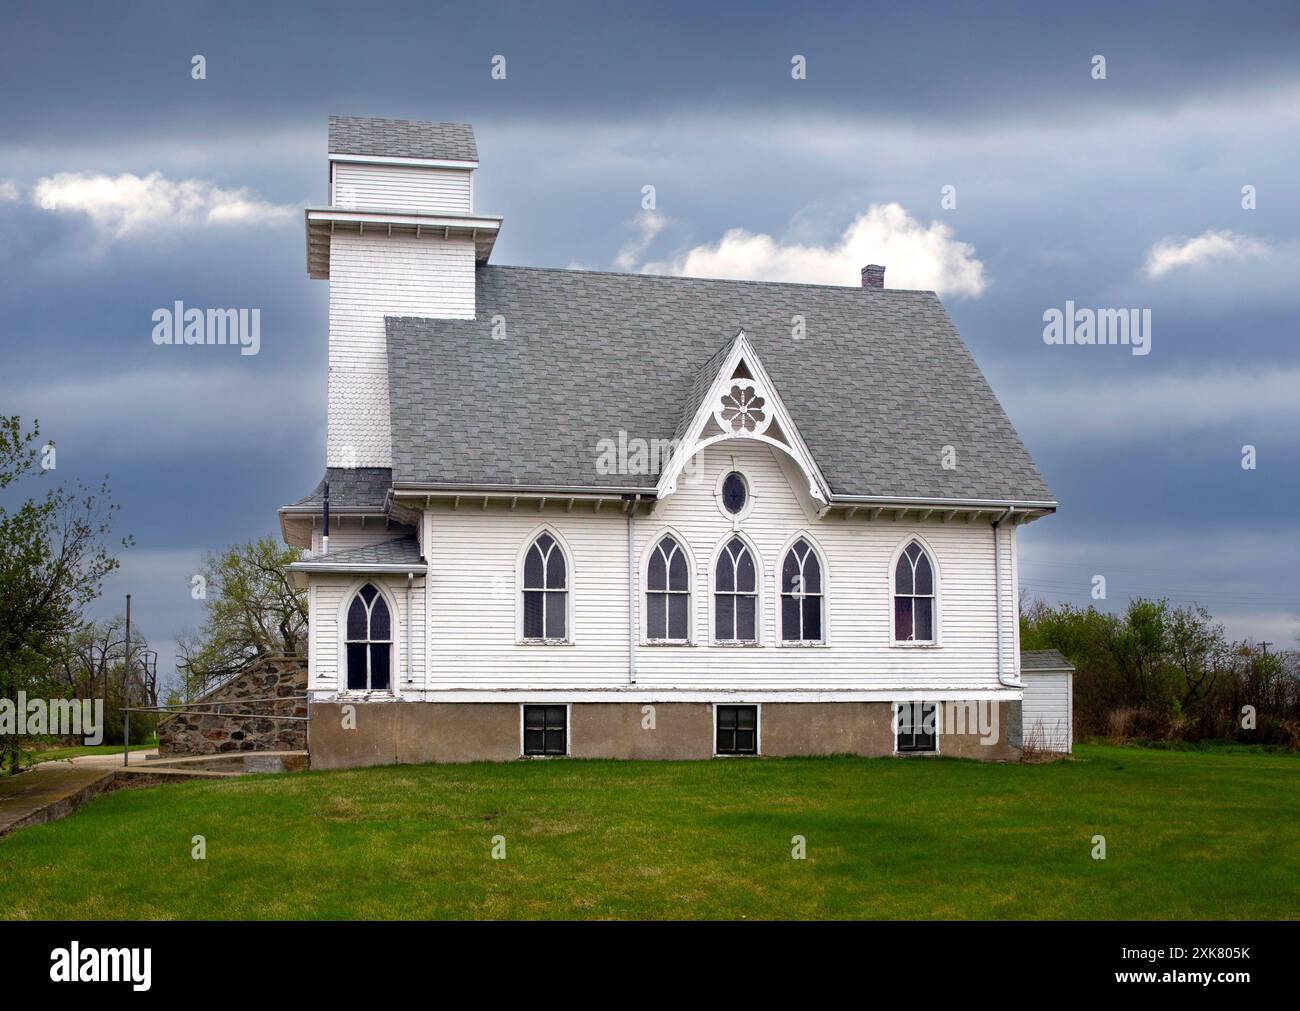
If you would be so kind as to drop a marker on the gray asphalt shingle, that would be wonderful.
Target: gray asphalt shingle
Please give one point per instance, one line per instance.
(1044, 659)
(399, 551)
(402, 138)
(878, 386)
(352, 488)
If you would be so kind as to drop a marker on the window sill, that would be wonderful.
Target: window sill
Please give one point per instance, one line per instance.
(915, 645)
(736, 644)
(545, 642)
(802, 644)
(666, 642)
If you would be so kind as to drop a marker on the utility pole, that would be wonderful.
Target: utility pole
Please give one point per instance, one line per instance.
(1264, 646)
(126, 680)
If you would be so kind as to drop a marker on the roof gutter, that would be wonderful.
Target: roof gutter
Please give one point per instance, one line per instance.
(416, 567)
(985, 503)
(429, 487)
(315, 510)
(375, 159)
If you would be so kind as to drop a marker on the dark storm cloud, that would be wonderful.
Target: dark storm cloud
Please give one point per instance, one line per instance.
(1064, 185)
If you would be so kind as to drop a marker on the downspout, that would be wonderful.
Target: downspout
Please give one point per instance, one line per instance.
(631, 589)
(410, 578)
(997, 595)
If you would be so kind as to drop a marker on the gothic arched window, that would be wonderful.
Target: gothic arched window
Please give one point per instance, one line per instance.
(545, 591)
(735, 594)
(801, 594)
(914, 596)
(668, 593)
(369, 641)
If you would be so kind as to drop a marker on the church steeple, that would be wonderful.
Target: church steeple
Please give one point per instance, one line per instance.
(400, 177)
(399, 237)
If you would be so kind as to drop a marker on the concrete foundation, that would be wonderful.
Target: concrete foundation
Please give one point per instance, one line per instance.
(407, 733)
(392, 733)
(1004, 745)
(621, 730)
(826, 728)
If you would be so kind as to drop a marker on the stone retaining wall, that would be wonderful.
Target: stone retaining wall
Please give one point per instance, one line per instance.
(279, 678)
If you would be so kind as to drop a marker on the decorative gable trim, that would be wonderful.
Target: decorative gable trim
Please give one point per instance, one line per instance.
(743, 403)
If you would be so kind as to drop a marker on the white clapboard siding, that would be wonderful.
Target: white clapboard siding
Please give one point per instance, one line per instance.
(373, 276)
(1046, 710)
(327, 595)
(345, 535)
(474, 595)
(398, 188)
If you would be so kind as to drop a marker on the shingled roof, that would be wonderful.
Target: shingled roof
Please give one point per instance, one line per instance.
(1044, 660)
(402, 138)
(879, 385)
(399, 553)
(358, 488)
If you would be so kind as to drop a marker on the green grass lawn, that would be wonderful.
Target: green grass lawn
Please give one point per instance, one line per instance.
(1188, 835)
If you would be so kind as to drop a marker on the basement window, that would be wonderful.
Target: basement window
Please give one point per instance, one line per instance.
(737, 731)
(916, 723)
(546, 730)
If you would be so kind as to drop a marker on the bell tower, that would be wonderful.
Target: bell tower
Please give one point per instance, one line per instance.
(398, 238)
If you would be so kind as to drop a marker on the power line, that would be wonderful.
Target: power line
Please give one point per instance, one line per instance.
(1121, 595)
(1247, 596)
(1030, 560)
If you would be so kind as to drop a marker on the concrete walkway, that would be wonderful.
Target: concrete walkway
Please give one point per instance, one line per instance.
(49, 791)
(52, 790)
(113, 760)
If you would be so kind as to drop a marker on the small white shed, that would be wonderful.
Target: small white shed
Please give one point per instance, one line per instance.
(1047, 714)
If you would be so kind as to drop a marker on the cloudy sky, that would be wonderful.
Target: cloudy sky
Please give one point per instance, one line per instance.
(125, 185)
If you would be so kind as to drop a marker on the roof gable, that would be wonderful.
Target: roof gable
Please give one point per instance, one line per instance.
(740, 402)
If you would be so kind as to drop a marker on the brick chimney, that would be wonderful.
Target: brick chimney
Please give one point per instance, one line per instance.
(873, 276)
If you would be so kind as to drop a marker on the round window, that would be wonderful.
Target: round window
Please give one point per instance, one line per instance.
(735, 493)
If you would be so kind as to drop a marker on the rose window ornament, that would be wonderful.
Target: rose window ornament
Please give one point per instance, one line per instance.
(742, 410)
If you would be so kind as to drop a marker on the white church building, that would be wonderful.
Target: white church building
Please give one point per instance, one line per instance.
(619, 515)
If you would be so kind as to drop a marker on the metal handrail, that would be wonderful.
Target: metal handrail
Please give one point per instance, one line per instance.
(184, 712)
(229, 702)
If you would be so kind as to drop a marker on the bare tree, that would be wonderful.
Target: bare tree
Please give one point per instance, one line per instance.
(253, 610)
